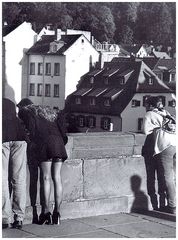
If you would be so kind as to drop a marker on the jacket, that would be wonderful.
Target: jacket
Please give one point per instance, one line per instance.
(12, 127)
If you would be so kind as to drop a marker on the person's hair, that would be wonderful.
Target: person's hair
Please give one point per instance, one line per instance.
(24, 102)
(153, 101)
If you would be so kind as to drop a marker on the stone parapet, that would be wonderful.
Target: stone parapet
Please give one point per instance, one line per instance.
(101, 174)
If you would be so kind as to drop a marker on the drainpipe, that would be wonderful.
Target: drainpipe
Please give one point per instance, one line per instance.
(43, 83)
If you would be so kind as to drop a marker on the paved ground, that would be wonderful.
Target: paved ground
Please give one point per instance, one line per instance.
(122, 225)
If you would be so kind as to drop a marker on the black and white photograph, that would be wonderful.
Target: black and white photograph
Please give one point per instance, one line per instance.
(88, 119)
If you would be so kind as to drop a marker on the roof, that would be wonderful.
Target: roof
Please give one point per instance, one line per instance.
(42, 46)
(97, 92)
(150, 62)
(95, 72)
(82, 91)
(138, 76)
(113, 93)
(167, 64)
(131, 48)
(111, 71)
(161, 55)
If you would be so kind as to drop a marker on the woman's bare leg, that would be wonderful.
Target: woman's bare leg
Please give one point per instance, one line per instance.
(46, 178)
(56, 176)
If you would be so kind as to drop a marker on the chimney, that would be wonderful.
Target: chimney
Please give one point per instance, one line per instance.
(35, 38)
(58, 34)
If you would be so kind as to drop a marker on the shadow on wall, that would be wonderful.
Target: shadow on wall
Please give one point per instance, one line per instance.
(140, 203)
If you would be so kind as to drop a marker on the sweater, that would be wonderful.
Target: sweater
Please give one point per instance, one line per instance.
(153, 124)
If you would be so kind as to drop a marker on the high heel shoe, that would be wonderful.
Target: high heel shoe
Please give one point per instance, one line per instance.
(45, 218)
(56, 218)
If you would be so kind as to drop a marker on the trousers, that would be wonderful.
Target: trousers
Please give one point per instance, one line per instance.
(165, 160)
(14, 159)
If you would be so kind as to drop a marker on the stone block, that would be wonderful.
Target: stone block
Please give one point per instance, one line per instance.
(109, 140)
(93, 207)
(72, 180)
(105, 178)
(102, 152)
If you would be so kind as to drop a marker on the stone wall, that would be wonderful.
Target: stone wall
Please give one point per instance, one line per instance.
(104, 174)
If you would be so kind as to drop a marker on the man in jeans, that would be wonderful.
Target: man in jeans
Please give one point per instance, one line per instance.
(13, 166)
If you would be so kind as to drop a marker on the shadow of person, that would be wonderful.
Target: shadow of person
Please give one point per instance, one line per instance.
(140, 203)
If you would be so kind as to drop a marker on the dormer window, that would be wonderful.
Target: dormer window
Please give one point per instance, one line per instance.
(92, 101)
(122, 81)
(106, 81)
(92, 80)
(150, 81)
(107, 102)
(172, 103)
(78, 100)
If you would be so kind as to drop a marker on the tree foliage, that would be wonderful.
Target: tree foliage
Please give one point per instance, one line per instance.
(120, 22)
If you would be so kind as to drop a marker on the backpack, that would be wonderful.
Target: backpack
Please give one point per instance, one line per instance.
(169, 122)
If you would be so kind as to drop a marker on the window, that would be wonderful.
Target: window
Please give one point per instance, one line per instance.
(122, 81)
(32, 89)
(78, 100)
(48, 68)
(150, 81)
(39, 89)
(145, 98)
(56, 69)
(32, 68)
(91, 121)
(173, 77)
(135, 103)
(140, 124)
(47, 90)
(159, 75)
(163, 98)
(56, 90)
(81, 121)
(105, 123)
(92, 80)
(92, 101)
(107, 102)
(172, 103)
(40, 68)
(82, 40)
(55, 48)
(106, 81)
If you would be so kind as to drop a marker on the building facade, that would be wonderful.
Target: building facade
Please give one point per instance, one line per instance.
(113, 98)
(15, 41)
(53, 66)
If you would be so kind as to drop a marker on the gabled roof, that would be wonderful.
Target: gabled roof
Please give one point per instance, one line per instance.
(150, 62)
(131, 48)
(95, 72)
(120, 95)
(97, 92)
(42, 46)
(161, 55)
(168, 64)
(82, 91)
(110, 72)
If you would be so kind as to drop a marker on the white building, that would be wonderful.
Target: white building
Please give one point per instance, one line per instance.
(53, 66)
(15, 41)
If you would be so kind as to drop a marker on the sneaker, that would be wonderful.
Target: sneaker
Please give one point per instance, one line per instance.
(17, 224)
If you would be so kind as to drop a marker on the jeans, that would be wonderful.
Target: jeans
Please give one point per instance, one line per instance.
(166, 165)
(13, 177)
(152, 170)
